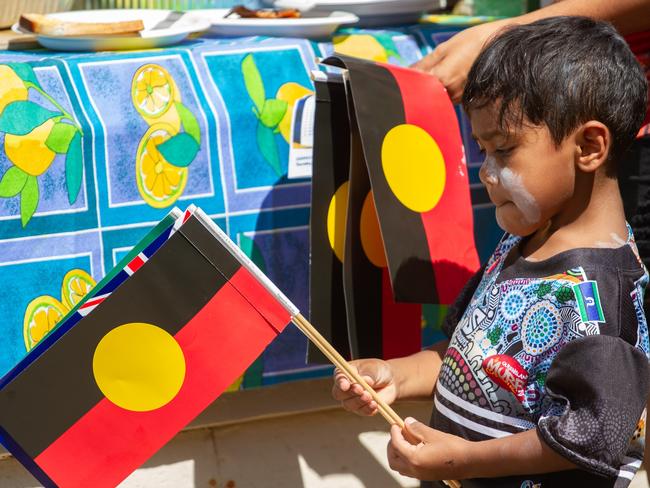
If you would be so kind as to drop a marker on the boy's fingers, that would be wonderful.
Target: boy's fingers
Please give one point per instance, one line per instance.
(402, 446)
(357, 403)
(342, 383)
(395, 459)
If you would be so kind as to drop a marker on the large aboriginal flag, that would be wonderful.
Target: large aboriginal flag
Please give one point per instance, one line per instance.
(378, 326)
(329, 201)
(166, 343)
(414, 154)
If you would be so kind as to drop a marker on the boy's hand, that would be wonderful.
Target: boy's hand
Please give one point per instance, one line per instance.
(378, 374)
(438, 456)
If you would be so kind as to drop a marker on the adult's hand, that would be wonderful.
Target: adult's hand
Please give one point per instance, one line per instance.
(450, 61)
(354, 398)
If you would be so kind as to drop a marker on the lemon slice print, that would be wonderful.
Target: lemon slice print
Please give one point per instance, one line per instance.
(152, 90)
(76, 285)
(159, 182)
(41, 316)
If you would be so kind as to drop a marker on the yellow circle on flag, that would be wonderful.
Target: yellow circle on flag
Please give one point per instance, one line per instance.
(139, 366)
(371, 241)
(413, 166)
(336, 219)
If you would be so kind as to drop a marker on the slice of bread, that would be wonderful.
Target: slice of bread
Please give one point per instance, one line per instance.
(42, 24)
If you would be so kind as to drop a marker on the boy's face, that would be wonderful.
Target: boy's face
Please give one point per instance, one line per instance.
(527, 176)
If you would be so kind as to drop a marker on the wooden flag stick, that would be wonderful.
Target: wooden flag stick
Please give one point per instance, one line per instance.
(333, 355)
(301, 322)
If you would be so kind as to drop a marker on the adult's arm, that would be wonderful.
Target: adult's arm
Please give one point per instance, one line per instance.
(451, 60)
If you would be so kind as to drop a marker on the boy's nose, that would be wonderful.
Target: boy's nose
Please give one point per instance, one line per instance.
(487, 174)
(483, 173)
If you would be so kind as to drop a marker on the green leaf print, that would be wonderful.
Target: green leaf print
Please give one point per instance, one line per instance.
(74, 168)
(179, 150)
(190, 124)
(253, 82)
(60, 137)
(268, 147)
(12, 182)
(28, 199)
(272, 112)
(25, 72)
(22, 117)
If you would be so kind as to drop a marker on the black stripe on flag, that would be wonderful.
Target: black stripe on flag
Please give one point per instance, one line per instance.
(330, 171)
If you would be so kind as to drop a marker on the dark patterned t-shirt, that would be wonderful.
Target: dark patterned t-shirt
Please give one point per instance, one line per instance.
(559, 345)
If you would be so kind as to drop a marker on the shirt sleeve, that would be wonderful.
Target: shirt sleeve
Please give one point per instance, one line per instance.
(456, 310)
(597, 387)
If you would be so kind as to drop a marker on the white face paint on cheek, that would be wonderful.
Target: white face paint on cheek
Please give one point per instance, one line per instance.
(521, 197)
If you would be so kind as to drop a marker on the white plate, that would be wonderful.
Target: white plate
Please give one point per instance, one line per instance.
(313, 24)
(370, 12)
(150, 37)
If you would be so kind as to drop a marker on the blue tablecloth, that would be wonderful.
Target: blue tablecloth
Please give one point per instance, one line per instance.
(88, 182)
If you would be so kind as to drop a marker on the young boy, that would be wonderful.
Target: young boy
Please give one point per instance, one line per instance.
(545, 376)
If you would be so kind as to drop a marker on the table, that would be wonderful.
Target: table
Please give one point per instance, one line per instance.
(89, 192)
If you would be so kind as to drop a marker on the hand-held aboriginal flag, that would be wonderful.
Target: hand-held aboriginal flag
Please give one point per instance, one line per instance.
(329, 196)
(158, 350)
(415, 159)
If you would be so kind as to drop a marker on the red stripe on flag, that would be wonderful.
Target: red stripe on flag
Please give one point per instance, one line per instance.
(105, 445)
(95, 301)
(136, 264)
(272, 310)
(401, 330)
(449, 226)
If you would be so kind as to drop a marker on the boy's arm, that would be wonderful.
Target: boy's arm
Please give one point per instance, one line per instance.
(445, 456)
(416, 375)
(409, 377)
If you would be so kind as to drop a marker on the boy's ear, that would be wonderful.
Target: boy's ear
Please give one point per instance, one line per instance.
(593, 141)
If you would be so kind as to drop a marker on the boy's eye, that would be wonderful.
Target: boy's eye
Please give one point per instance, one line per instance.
(503, 152)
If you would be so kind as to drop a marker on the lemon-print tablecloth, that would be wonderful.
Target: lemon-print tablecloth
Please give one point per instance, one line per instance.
(96, 148)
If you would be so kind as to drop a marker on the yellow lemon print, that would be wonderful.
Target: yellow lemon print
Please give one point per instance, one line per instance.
(76, 285)
(362, 46)
(159, 182)
(41, 316)
(29, 152)
(290, 92)
(12, 87)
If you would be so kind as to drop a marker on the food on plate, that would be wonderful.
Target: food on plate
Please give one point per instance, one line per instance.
(264, 13)
(49, 26)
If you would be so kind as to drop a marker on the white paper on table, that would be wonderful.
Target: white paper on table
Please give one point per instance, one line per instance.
(302, 138)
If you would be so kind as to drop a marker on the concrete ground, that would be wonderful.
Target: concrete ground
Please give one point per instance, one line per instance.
(319, 449)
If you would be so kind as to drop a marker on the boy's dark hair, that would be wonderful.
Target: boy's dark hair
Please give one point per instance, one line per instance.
(561, 72)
